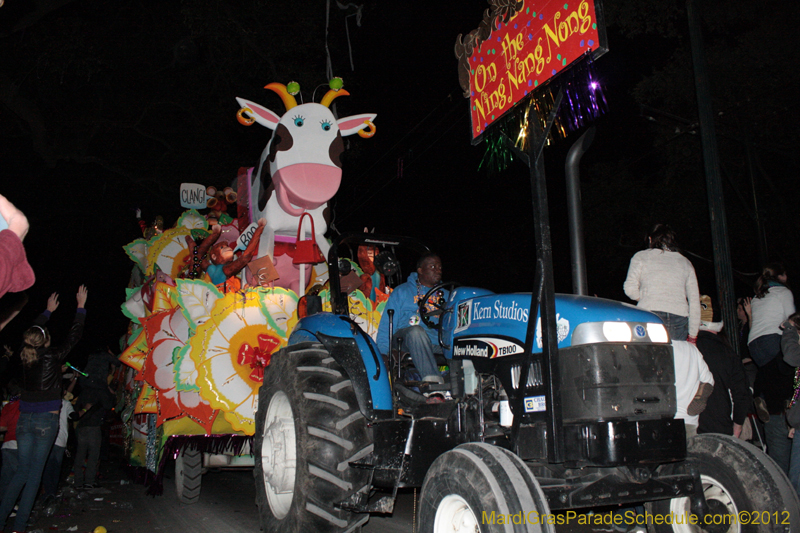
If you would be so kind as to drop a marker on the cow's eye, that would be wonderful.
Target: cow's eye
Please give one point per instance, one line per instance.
(326, 126)
(298, 121)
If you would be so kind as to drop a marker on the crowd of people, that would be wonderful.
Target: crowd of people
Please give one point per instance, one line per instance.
(42, 406)
(749, 395)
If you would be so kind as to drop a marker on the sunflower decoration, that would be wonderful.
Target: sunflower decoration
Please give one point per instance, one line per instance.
(169, 253)
(231, 350)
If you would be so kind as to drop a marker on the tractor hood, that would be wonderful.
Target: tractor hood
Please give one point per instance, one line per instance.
(480, 323)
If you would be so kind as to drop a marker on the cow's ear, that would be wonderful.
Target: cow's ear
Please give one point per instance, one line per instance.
(352, 124)
(261, 114)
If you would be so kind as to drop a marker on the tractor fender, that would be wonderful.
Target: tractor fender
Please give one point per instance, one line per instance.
(357, 353)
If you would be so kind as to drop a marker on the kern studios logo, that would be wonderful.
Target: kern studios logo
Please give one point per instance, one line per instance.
(463, 316)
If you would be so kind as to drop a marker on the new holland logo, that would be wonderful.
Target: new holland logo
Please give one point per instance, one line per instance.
(474, 348)
(485, 347)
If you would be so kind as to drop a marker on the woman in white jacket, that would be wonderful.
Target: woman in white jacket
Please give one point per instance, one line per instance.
(663, 281)
(771, 306)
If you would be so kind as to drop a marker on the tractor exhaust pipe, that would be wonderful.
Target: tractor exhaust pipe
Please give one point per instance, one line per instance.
(575, 211)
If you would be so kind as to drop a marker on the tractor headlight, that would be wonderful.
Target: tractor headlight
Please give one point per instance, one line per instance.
(617, 331)
(657, 332)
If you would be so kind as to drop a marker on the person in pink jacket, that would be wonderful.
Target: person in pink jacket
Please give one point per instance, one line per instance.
(663, 281)
(15, 273)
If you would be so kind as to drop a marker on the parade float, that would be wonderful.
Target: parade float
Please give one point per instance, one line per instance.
(212, 297)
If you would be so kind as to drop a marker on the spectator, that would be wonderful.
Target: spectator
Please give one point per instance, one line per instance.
(96, 369)
(742, 333)
(730, 382)
(40, 403)
(93, 404)
(15, 273)
(771, 306)
(790, 347)
(663, 281)
(693, 383)
(6, 362)
(8, 424)
(52, 470)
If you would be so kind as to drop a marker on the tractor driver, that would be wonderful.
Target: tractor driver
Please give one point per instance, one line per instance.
(415, 337)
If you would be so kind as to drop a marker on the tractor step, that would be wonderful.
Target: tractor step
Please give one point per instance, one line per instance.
(383, 505)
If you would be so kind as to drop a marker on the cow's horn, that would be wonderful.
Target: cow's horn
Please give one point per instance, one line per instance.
(288, 99)
(330, 95)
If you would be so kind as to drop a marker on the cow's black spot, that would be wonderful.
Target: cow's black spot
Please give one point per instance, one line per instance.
(281, 142)
(336, 149)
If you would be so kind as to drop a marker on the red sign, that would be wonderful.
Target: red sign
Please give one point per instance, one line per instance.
(542, 38)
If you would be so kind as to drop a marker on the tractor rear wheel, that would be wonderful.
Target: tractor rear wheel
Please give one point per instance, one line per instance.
(308, 430)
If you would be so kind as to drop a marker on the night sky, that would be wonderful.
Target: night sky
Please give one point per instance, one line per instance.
(108, 106)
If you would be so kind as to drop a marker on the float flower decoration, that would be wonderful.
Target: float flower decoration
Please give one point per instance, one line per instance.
(185, 370)
(167, 332)
(146, 402)
(135, 354)
(137, 252)
(193, 220)
(258, 357)
(169, 253)
(139, 302)
(196, 298)
(279, 306)
(228, 373)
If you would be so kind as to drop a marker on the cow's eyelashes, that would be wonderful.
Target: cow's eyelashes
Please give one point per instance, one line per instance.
(299, 121)
(326, 126)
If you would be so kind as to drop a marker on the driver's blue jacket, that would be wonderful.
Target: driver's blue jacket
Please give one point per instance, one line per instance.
(404, 300)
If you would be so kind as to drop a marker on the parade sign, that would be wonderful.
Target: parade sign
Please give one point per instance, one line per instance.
(193, 196)
(539, 40)
(247, 234)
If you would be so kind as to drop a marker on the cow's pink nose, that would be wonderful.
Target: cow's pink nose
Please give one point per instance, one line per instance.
(306, 185)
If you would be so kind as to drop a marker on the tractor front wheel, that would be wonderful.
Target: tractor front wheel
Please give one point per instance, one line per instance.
(308, 431)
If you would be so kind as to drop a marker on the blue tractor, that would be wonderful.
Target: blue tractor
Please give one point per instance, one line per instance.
(519, 434)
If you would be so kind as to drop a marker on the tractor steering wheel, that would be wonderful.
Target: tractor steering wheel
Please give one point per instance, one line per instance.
(438, 304)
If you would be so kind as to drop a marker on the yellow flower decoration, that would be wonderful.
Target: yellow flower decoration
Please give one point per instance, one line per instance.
(230, 351)
(169, 252)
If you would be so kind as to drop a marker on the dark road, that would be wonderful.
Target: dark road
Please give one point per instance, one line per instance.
(227, 504)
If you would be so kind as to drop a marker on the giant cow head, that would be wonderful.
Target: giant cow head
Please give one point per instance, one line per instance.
(305, 148)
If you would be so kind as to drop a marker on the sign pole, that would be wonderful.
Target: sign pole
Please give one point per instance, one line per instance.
(543, 296)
